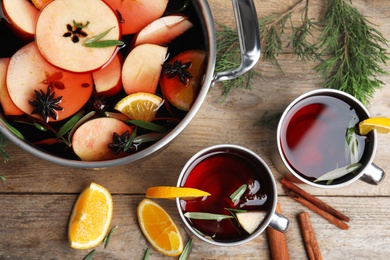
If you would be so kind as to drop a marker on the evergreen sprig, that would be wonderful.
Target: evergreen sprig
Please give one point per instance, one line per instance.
(229, 57)
(354, 49)
(350, 51)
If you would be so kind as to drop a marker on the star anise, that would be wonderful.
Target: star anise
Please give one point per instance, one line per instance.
(46, 105)
(179, 69)
(119, 142)
(98, 103)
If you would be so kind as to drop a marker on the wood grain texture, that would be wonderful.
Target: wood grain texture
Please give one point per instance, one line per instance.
(37, 198)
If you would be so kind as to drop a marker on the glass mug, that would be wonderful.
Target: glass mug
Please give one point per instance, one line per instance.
(221, 170)
(317, 141)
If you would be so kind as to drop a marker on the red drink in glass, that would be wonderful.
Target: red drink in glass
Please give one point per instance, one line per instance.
(314, 137)
(221, 173)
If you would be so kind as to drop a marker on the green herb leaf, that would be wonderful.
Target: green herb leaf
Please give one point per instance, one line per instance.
(339, 172)
(108, 237)
(233, 213)
(206, 216)
(99, 36)
(69, 124)
(80, 25)
(104, 44)
(238, 193)
(12, 129)
(187, 250)
(236, 210)
(148, 125)
(90, 255)
(147, 253)
(130, 141)
(3, 178)
(40, 127)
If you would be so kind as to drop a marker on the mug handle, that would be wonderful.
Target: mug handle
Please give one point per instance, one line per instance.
(279, 222)
(373, 174)
(249, 39)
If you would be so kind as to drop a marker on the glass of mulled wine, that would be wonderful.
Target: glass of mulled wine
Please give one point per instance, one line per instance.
(318, 142)
(243, 196)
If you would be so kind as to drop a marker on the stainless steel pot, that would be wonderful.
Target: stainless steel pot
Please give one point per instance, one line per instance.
(249, 39)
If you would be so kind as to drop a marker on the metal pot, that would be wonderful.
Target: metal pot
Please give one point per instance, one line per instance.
(249, 39)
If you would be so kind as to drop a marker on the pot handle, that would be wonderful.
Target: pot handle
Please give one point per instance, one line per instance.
(249, 39)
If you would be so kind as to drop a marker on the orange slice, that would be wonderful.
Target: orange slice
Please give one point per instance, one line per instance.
(91, 217)
(159, 228)
(140, 106)
(168, 192)
(380, 124)
(39, 4)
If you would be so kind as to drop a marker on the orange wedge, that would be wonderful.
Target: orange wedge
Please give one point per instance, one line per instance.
(140, 106)
(168, 192)
(91, 217)
(40, 3)
(380, 124)
(159, 228)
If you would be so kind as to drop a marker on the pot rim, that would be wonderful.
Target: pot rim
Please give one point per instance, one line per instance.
(204, 13)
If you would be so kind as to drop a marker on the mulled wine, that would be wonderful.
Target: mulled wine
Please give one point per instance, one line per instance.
(317, 136)
(48, 141)
(221, 172)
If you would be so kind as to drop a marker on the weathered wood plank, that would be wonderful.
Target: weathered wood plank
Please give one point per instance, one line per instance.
(35, 227)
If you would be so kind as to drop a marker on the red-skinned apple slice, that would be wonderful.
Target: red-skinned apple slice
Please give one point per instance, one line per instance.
(29, 71)
(142, 68)
(107, 80)
(63, 28)
(90, 141)
(163, 30)
(22, 16)
(136, 14)
(7, 104)
(178, 93)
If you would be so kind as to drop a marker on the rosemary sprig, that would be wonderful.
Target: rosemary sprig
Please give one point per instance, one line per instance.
(90, 255)
(238, 193)
(147, 253)
(108, 237)
(338, 172)
(206, 216)
(96, 42)
(187, 249)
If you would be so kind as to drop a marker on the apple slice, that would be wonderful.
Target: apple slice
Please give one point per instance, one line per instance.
(107, 80)
(136, 14)
(22, 16)
(63, 28)
(90, 141)
(142, 68)
(163, 30)
(28, 71)
(8, 105)
(250, 220)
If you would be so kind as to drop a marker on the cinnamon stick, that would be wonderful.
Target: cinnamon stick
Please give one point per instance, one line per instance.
(309, 237)
(277, 241)
(332, 219)
(319, 203)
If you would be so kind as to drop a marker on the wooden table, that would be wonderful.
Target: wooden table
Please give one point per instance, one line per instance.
(37, 198)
